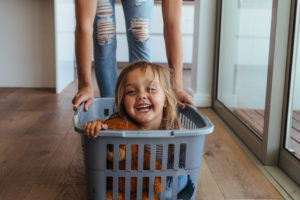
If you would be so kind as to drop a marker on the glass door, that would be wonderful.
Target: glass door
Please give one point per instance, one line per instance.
(290, 151)
(244, 53)
(243, 60)
(250, 66)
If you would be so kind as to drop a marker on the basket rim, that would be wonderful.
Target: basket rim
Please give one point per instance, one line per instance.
(207, 129)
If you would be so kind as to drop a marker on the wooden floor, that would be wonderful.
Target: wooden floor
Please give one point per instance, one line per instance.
(255, 119)
(41, 157)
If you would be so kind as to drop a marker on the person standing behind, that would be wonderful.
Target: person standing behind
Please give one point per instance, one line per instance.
(95, 22)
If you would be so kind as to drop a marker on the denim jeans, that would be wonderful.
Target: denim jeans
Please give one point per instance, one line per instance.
(181, 184)
(138, 19)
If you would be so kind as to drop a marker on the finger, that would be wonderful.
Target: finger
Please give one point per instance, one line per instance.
(74, 102)
(104, 126)
(98, 127)
(96, 133)
(96, 130)
(87, 129)
(189, 100)
(181, 105)
(93, 129)
(75, 108)
(78, 99)
(88, 104)
(74, 99)
(84, 128)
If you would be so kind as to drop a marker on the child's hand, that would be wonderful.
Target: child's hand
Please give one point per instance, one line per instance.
(92, 128)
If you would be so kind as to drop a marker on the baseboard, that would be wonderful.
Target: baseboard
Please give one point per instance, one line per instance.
(202, 100)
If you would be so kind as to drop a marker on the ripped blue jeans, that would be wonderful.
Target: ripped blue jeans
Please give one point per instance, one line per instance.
(138, 19)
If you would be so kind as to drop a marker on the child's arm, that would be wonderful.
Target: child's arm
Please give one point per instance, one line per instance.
(92, 128)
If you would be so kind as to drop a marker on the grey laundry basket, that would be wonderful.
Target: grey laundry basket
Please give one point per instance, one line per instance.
(190, 140)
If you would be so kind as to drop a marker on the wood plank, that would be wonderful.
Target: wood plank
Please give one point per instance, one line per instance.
(57, 192)
(5, 143)
(236, 175)
(20, 175)
(295, 132)
(32, 99)
(296, 125)
(258, 118)
(39, 99)
(9, 159)
(10, 100)
(294, 142)
(14, 124)
(295, 135)
(67, 164)
(295, 146)
(253, 120)
(260, 112)
(296, 115)
(297, 112)
(207, 187)
(59, 122)
(4, 92)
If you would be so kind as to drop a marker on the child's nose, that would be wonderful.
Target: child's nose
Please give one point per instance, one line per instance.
(141, 96)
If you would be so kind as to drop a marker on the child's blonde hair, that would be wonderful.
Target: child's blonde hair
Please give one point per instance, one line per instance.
(170, 120)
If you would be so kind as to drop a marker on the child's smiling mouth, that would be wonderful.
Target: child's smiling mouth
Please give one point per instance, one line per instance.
(144, 108)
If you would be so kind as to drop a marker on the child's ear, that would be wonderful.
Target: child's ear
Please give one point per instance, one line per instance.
(165, 104)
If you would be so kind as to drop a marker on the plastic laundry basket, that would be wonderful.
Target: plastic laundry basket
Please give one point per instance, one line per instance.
(190, 140)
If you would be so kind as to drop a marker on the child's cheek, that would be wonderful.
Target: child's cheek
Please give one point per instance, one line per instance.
(128, 104)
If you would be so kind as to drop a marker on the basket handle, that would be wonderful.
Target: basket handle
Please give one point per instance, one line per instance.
(76, 118)
(209, 127)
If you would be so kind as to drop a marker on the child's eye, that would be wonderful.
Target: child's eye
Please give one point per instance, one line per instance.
(151, 89)
(130, 92)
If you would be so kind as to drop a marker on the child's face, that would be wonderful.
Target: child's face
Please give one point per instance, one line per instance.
(144, 98)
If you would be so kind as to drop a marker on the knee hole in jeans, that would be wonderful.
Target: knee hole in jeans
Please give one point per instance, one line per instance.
(140, 29)
(105, 30)
(139, 2)
(104, 8)
(105, 23)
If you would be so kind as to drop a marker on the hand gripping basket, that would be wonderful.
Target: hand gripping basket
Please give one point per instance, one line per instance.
(188, 142)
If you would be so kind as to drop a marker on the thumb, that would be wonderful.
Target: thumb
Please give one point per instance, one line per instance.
(88, 104)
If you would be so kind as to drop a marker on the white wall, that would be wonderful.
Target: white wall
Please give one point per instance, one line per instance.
(244, 53)
(64, 43)
(27, 43)
(203, 52)
(253, 41)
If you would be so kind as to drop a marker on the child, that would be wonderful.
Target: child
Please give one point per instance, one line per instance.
(144, 98)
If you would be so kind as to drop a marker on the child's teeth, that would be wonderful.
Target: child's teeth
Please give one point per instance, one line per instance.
(144, 107)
